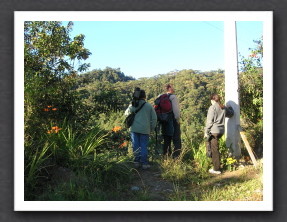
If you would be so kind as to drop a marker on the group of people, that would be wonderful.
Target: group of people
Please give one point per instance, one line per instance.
(146, 121)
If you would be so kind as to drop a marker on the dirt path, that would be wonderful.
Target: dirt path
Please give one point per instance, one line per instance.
(151, 181)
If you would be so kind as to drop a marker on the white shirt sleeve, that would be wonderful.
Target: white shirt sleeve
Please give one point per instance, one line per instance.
(175, 107)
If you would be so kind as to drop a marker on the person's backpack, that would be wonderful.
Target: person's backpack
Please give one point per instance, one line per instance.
(163, 108)
(130, 118)
(229, 112)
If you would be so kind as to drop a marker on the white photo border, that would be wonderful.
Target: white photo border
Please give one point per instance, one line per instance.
(21, 16)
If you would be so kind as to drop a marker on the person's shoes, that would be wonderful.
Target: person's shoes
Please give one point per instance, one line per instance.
(214, 172)
(136, 165)
(145, 167)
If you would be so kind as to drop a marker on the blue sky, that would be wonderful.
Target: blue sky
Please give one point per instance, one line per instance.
(148, 48)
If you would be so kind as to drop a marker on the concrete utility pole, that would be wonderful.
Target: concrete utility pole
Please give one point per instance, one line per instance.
(232, 87)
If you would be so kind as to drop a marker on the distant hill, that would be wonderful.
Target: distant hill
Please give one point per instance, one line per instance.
(107, 75)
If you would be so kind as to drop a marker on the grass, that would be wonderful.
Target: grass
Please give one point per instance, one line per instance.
(245, 186)
(101, 174)
(175, 169)
(34, 167)
(236, 189)
(192, 182)
(115, 185)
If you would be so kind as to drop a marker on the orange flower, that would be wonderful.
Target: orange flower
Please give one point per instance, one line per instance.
(123, 144)
(49, 106)
(54, 129)
(116, 128)
(46, 110)
(54, 109)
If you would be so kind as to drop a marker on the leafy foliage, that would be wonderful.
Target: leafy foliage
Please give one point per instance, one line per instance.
(251, 96)
(107, 75)
(49, 57)
(251, 84)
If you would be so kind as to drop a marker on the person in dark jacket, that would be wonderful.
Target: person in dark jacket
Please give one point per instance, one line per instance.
(171, 130)
(215, 128)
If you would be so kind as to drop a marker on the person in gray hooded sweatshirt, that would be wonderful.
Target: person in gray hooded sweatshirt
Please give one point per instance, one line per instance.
(215, 128)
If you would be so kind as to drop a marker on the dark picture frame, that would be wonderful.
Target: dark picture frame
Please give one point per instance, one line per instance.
(7, 101)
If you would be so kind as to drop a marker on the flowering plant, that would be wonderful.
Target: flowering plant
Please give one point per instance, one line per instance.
(230, 163)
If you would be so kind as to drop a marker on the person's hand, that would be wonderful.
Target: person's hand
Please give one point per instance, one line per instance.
(205, 135)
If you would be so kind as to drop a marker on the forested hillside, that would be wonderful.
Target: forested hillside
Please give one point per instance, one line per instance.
(74, 117)
(193, 89)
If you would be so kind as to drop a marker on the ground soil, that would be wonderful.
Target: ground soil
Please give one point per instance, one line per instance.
(151, 181)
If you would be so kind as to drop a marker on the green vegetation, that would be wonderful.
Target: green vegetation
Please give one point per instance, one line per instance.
(76, 147)
(240, 188)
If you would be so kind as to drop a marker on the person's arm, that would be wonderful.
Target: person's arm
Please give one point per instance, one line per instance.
(128, 110)
(175, 107)
(209, 121)
(153, 118)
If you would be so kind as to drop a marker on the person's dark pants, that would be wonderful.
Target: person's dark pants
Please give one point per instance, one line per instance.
(215, 151)
(175, 139)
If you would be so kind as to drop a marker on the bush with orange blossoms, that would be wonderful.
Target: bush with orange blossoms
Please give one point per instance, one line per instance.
(123, 145)
(49, 108)
(116, 129)
(54, 129)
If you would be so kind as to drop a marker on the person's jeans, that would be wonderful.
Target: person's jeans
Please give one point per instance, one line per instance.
(139, 144)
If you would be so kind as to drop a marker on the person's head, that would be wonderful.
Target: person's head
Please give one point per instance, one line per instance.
(216, 98)
(142, 94)
(169, 88)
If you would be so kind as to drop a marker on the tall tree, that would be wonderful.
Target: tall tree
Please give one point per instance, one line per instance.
(51, 61)
(251, 84)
